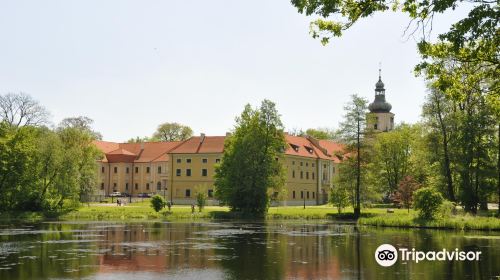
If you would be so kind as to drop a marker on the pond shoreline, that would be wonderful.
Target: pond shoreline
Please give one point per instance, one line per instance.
(375, 217)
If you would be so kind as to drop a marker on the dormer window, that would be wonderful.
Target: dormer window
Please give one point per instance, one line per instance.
(309, 149)
(294, 147)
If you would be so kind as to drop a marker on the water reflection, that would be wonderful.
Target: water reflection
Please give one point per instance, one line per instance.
(276, 250)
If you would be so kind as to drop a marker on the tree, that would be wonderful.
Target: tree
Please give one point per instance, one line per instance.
(405, 191)
(138, 139)
(340, 197)
(251, 164)
(321, 133)
(392, 156)
(427, 202)
(158, 203)
(201, 196)
(81, 123)
(479, 30)
(352, 131)
(172, 132)
(21, 110)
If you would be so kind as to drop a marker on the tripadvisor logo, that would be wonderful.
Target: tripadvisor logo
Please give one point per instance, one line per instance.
(387, 255)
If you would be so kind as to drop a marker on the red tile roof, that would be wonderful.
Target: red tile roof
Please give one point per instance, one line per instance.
(201, 144)
(158, 151)
(136, 152)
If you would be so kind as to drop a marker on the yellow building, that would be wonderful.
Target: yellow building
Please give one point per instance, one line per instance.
(176, 170)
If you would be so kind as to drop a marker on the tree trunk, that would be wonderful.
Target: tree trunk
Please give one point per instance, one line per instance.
(447, 169)
(357, 209)
(498, 170)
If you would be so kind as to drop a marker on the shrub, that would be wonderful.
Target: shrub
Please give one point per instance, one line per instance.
(427, 201)
(201, 200)
(158, 203)
(339, 197)
(447, 209)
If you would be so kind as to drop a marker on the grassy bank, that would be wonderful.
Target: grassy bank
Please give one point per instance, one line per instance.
(370, 216)
(460, 222)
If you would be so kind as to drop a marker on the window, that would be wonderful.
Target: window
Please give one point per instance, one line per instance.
(188, 172)
(375, 126)
(293, 162)
(147, 186)
(178, 172)
(301, 163)
(307, 163)
(114, 187)
(136, 169)
(307, 195)
(301, 194)
(188, 160)
(136, 186)
(178, 160)
(147, 169)
(188, 193)
(301, 174)
(127, 170)
(293, 194)
(313, 195)
(102, 169)
(126, 186)
(204, 172)
(158, 186)
(159, 169)
(307, 175)
(102, 186)
(293, 173)
(204, 160)
(324, 166)
(313, 175)
(115, 169)
(210, 193)
(217, 160)
(312, 164)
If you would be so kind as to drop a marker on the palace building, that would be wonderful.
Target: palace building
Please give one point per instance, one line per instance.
(176, 169)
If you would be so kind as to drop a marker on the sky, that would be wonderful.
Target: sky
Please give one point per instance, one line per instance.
(131, 65)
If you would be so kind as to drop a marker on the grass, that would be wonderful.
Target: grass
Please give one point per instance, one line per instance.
(460, 222)
(369, 216)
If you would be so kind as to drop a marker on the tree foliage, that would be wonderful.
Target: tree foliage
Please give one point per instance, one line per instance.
(427, 202)
(158, 203)
(172, 132)
(251, 164)
(353, 131)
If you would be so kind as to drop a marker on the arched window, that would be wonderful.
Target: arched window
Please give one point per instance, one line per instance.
(158, 186)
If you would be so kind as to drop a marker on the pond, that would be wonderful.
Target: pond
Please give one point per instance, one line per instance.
(233, 250)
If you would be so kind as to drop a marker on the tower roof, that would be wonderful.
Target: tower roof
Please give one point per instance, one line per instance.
(379, 105)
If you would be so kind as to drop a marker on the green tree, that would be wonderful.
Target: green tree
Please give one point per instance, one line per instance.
(427, 201)
(353, 132)
(321, 133)
(340, 196)
(158, 203)
(201, 196)
(81, 123)
(172, 132)
(251, 164)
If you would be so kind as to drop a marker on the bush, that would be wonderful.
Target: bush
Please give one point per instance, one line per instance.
(158, 203)
(201, 200)
(447, 209)
(427, 201)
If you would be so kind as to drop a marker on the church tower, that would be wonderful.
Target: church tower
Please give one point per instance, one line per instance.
(380, 116)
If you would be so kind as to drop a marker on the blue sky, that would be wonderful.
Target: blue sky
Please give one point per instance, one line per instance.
(131, 65)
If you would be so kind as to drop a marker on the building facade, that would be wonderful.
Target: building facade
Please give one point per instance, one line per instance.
(177, 170)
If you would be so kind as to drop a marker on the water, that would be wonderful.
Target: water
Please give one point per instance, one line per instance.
(229, 250)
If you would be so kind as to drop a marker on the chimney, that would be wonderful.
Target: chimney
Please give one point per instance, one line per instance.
(202, 137)
(142, 146)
